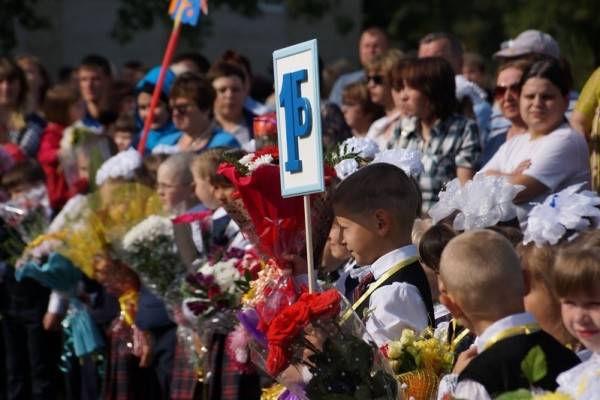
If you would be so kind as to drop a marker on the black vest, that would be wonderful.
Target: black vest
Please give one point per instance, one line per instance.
(498, 368)
(414, 275)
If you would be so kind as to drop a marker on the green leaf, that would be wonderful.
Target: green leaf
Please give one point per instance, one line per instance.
(534, 365)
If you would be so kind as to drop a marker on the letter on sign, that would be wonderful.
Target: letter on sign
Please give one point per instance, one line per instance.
(298, 116)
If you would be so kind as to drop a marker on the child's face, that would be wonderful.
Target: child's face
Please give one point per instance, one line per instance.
(123, 140)
(172, 193)
(161, 112)
(581, 316)
(20, 189)
(358, 235)
(224, 194)
(336, 248)
(83, 166)
(205, 192)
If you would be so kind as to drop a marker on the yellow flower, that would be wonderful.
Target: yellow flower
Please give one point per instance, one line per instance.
(273, 392)
(407, 338)
(394, 350)
(552, 396)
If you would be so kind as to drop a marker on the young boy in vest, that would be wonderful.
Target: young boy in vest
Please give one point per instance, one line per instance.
(482, 285)
(375, 209)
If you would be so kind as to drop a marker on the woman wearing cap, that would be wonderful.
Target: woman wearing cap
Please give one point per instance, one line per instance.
(162, 130)
(551, 155)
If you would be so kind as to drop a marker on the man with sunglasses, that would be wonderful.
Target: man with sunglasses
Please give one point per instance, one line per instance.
(373, 41)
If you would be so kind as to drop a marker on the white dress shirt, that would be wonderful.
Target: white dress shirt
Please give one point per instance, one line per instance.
(397, 306)
(468, 389)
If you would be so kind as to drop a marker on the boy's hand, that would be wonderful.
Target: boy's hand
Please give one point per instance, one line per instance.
(464, 359)
(51, 321)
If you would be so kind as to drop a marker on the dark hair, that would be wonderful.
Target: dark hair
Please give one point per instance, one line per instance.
(551, 70)
(233, 57)
(96, 61)
(225, 69)
(202, 64)
(58, 102)
(455, 44)
(146, 173)
(474, 60)
(125, 123)
(196, 88)
(134, 64)
(10, 70)
(433, 242)
(379, 186)
(26, 171)
(432, 76)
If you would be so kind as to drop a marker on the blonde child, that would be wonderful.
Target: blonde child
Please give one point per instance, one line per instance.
(376, 224)
(577, 284)
(175, 184)
(482, 284)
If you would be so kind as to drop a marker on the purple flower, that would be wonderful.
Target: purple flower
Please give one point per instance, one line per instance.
(249, 320)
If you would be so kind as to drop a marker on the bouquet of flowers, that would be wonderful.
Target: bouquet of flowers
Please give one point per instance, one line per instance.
(419, 362)
(213, 293)
(316, 349)
(28, 216)
(149, 249)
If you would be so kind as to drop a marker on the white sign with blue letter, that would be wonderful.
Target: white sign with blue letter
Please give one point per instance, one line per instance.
(296, 70)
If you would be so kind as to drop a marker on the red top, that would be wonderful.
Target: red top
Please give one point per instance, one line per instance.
(56, 184)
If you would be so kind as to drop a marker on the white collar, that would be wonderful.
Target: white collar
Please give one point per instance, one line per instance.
(385, 262)
(219, 213)
(505, 323)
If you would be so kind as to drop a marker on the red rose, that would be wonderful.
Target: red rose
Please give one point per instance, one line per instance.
(288, 323)
(277, 360)
(213, 291)
(323, 305)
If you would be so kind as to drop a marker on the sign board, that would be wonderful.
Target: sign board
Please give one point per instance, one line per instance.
(296, 70)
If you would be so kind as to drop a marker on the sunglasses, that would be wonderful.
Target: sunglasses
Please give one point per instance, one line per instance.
(376, 79)
(500, 91)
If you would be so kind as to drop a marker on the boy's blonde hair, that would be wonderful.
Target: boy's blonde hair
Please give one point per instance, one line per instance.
(206, 164)
(481, 270)
(577, 267)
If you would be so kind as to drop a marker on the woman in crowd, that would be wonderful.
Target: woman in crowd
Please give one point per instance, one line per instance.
(449, 141)
(379, 83)
(15, 125)
(191, 101)
(506, 95)
(551, 155)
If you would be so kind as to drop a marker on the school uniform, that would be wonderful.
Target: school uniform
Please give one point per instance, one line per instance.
(502, 348)
(397, 298)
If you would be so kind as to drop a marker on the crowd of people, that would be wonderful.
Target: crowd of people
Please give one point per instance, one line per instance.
(459, 203)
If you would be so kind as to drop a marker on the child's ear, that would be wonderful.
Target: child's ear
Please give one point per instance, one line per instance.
(451, 305)
(383, 219)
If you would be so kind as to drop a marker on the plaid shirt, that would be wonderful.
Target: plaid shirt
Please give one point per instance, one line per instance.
(454, 143)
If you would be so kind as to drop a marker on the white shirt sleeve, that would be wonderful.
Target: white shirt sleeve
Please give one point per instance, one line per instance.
(57, 304)
(555, 163)
(466, 389)
(393, 308)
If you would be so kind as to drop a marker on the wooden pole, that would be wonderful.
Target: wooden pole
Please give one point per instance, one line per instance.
(309, 245)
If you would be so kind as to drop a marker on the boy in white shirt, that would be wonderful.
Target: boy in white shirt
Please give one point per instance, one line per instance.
(375, 209)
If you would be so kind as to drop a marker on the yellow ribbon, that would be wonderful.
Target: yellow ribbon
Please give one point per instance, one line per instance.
(514, 331)
(454, 342)
(374, 286)
(128, 304)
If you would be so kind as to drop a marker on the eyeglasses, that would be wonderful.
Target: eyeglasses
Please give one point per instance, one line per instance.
(500, 90)
(180, 108)
(376, 79)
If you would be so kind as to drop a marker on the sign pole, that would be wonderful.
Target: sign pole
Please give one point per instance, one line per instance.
(309, 245)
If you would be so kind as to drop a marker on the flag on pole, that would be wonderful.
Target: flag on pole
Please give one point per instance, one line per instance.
(189, 10)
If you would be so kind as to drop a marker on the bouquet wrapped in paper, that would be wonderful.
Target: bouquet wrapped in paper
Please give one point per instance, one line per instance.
(419, 361)
(275, 225)
(28, 216)
(319, 349)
